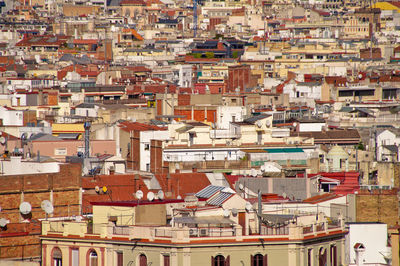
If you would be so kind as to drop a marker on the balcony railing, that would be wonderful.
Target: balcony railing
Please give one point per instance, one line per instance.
(224, 134)
(182, 234)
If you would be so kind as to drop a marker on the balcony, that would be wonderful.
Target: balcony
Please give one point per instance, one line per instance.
(224, 134)
(186, 234)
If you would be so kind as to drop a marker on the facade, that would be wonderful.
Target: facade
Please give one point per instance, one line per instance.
(125, 233)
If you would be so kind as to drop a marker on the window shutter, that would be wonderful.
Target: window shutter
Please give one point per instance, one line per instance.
(212, 260)
(227, 261)
(265, 260)
(251, 260)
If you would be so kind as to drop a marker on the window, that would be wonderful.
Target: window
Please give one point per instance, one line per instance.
(220, 261)
(259, 260)
(309, 257)
(60, 151)
(166, 260)
(120, 258)
(56, 257)
(321, 158)
(142, 260)
(333, 255)
(93, 258)
(75, 257)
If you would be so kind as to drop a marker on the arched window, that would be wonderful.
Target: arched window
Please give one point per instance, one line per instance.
(322, 257)
(220, 261)
(56, 257)
(142, 260)
(259, 260)
(93, 260)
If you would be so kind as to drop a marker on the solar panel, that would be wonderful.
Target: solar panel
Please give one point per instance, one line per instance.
(219, 199)
(208, 191)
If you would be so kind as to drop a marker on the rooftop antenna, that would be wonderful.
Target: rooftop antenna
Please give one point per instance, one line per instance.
(194, 18)
(86, 125)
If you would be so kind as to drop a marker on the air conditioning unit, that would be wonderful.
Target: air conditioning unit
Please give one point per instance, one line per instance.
(203, 232)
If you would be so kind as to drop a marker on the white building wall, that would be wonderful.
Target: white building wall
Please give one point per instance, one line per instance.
(225, 115)
(374, 238)
(311, 127)
(145, 139)
(11, 117)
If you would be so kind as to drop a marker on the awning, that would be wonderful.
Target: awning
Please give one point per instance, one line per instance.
(215, 220)
(69, 135)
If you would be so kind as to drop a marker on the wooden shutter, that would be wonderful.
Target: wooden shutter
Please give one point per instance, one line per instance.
(227, 261)
(212, 260)
(265, 260)
(120, 259)
(251, 260)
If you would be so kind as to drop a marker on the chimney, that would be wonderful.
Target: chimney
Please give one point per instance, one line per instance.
(169, 183)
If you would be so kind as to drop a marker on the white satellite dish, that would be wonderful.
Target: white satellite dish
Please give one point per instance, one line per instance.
(234, 211)
(253, 172)
(179, 197)
(3, 222)
(248, 206)
(139, 194)
(150, 196)
(226, 213)
(2, 140)
(268, 123)
(241, 187)
(284, 195)
(25, 207)
(160, 194)
(78, 218)
(47, 207)
(97, 189)
(259, 124)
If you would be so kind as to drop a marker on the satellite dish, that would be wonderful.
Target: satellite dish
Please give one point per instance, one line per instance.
(24, 136)
(284, 195)
(259, 124)
(3, 222)
(104, 189)
(248, 206)
(97, 189)
(78, 218)
(160, 194)
(226, 213)
(268, 123)
(47, 207)
(241, 187)
(234, 211)
(2, 140)
(150, 196)
(253, 172)
(139, 194)
(25, 207)
(179, 197)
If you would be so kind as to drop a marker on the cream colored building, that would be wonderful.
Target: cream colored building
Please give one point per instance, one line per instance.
(217, 227)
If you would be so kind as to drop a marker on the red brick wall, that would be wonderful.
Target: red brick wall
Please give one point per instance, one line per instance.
(156, 161)
(238, 76)
(134, 154)
(65, 188)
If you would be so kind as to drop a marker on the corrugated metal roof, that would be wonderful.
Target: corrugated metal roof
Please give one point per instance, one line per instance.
(219, 199)
(208, 191)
